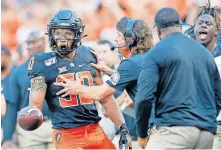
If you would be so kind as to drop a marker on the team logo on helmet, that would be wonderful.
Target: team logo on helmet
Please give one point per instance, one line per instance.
(64, 24)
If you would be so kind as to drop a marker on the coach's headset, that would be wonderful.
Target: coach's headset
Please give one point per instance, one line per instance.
(130, 37)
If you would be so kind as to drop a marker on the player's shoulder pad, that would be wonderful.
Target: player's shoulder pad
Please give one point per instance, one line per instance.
(38, 63)
(44, 56)
(87, 55)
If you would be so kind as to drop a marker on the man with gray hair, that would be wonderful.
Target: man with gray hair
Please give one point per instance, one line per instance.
(180, 76)
(20, 84)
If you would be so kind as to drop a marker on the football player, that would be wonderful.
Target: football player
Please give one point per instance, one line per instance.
(74, 117)
(138, 37)
(207, 31)
(206, 28)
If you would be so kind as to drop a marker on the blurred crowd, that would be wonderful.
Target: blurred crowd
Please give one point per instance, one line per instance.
(99, 16)
(22, 17)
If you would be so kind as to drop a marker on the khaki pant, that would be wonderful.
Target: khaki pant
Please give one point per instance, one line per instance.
(40, 138)
(217, 138)
(179, 137)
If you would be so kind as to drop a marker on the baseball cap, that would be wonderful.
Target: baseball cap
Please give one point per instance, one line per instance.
(5, 50)
(34, 35)
(167, 17)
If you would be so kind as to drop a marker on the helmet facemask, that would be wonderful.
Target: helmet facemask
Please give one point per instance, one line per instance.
(64, 44)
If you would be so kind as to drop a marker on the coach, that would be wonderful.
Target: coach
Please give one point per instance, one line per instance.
(181, 78)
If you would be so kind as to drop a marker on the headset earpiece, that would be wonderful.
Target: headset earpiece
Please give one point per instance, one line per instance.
(130, 38)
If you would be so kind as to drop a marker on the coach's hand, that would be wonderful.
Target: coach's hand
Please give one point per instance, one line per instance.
(101, 65)
(70, 87)
(143, 142)
(125, 139)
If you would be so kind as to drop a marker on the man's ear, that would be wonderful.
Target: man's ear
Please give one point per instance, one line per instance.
(216, 31)
(158, 31)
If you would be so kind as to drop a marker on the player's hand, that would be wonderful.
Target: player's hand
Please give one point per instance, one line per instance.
(101, 65)
(70, 87)
(125, 139)
(143, 142)
(9, 145)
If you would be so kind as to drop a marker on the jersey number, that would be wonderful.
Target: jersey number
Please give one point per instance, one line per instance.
(75, 100)
(31, 63)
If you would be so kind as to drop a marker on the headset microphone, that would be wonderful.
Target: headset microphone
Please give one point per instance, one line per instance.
(112, 48)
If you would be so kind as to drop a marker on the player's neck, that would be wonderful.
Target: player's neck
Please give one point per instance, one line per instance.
(70, 56)
(127, 54)
(211, 45)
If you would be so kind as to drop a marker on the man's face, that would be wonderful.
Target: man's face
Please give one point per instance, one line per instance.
(36, 46)
(205, 30)
(63, 38)
(106, 53)
(120, 40)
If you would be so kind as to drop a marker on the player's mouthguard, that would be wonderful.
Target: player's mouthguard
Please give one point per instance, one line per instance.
(63, 46)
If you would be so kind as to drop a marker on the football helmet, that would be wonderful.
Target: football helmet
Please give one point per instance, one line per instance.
(65, 19)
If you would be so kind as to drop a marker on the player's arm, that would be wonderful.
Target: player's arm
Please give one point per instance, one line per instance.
(38, 83)
(121, 99)
(147, 87)
(109, 104)
(37, 92)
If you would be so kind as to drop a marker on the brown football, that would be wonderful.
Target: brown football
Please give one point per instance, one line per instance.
(30, 118)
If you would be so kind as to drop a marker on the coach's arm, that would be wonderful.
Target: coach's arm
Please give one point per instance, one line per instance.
(145, 96)
(126, 74)
(92, 92)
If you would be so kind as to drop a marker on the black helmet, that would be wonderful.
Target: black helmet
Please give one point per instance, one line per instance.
(65, 19)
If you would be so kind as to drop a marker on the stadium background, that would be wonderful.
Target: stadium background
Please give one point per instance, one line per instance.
(99, 16)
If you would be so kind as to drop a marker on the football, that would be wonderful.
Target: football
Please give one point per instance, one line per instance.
(30, 118)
